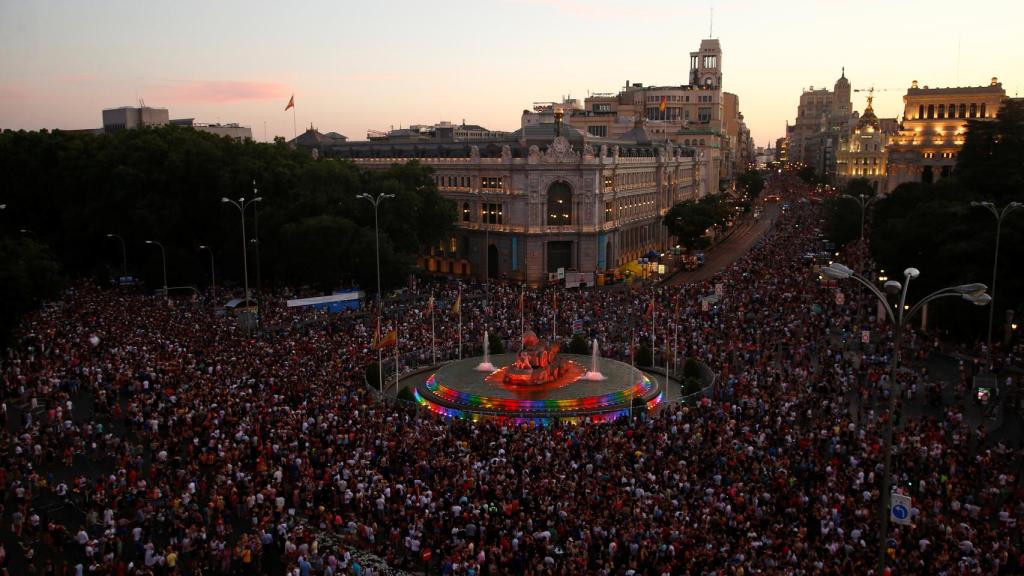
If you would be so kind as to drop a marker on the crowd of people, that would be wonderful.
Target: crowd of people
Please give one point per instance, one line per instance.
(144, 438)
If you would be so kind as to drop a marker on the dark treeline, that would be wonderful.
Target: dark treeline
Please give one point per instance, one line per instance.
(65, 192)
(934, 227)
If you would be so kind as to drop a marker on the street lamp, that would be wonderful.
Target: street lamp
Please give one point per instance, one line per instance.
(124, 254)
(376, 233)
(241, 204)
(973, 293)
(863, 201)
(999, 214)
(163, 259)
(213, 276)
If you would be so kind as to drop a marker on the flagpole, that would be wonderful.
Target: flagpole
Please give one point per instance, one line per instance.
(522, 317)
(460, 322)
(295, 130)
(433, 336)
(396, 360)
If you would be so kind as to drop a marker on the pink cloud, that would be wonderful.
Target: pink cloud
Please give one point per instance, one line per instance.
(217, 91)
(13, 92)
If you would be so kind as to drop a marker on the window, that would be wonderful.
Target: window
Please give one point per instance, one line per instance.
(492, 213)
(931, 111)
(453, 245)
(974, 110)
(609, 214)
(704, 114)
(920, 111)
(599, 131)
(963, 111)
(983, 110)
(608, 181)
(491, 182)
(951, 111)
(559, 204)
(942, 111)
(465, 211)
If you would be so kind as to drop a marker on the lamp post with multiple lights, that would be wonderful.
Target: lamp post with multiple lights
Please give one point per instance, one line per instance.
(241, 205)
(376, 233)
(973, 293)
(999, 214)
(163, 260)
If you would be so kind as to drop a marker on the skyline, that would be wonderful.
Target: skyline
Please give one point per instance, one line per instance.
(482, 62)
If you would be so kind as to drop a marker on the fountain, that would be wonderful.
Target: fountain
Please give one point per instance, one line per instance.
(486, 365)
(593, 374)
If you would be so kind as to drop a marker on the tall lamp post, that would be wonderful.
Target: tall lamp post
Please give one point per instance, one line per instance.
(124, 254)
(973, 293)
(213, 275)
(862, 201)
(241, 204)
(999, 214)
(376, 233)
(163, 259)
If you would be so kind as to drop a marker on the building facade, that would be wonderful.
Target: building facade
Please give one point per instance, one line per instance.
(823, 119)
(932, 132)
(551, 197)
(863, 153)
(131, 118)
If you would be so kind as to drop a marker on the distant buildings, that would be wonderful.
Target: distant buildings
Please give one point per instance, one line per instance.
(933, 127)
(131, 118)
(862, 154)
(823, 119)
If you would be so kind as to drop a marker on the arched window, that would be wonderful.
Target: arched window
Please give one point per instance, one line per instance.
(963, 111)
(920, 111)
(983, 110)
(942, 111)
(559, 204)
(951, 111)
(465, 211)
(931, 111)
(974, 110)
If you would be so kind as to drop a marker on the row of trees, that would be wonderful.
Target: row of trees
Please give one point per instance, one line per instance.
(65, 192)
(934, 228)
(690, 220)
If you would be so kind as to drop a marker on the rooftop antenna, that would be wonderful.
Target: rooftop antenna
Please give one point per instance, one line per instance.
(711, 24)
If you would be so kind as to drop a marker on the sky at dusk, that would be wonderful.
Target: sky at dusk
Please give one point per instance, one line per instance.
(355, 66)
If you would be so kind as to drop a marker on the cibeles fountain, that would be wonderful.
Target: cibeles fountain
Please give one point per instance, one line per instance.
(537, 384)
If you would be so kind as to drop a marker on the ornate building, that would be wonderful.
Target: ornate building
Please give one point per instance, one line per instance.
(862, 154)
(548, 197)
(933, 127)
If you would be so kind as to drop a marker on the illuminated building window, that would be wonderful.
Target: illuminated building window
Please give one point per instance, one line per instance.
(983, 110)
(465, 211)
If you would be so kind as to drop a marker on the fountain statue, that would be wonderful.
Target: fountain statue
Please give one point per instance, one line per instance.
(593, 374)
(486, 365)
(535, 364)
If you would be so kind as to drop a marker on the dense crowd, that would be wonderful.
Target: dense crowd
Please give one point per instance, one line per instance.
(152, 439)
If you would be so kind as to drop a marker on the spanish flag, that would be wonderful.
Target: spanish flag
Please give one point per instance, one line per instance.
(663, 104)
(291, 103)
(457, 307)
(390, 340)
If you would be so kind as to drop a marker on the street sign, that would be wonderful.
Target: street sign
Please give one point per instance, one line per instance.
(899, 508)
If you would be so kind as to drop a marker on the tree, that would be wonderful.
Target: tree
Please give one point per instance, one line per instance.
(842, 220)
(644, 356)
(578, 345)
(808, 175)
(990, 162)
(690, 220)
(751, 183)
(859, 186)
(29, 274)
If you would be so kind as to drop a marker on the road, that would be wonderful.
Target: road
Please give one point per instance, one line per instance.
(730, 249)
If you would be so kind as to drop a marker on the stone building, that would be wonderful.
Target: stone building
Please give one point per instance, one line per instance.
(549, 196)
(823, 119)
(863, 153)
(932, 132)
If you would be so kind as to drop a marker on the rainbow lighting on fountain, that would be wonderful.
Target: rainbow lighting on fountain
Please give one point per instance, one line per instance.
(537, 386)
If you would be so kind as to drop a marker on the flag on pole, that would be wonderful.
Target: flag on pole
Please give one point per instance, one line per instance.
(457, 307)
(430, 304)
(663, 104)
(650, 310)
(291, 103)
(376, 336)
(390, 340)
(522, 301)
